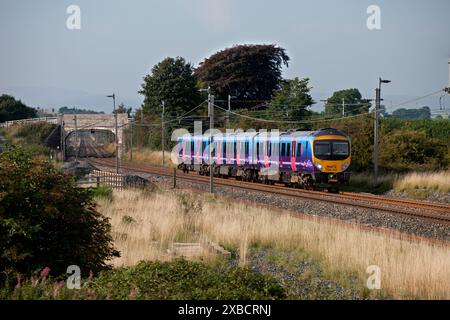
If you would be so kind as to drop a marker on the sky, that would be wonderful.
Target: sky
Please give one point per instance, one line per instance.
(45, 64)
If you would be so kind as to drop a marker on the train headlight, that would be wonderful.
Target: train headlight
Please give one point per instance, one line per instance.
(318, 165)
(345, 166)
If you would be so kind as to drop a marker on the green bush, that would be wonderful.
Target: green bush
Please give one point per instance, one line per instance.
(46, 221)
(102, 192)
(436, 129)
(404, 144)
(179, 279)
(31, 137)
(412, 150)
(35, 133)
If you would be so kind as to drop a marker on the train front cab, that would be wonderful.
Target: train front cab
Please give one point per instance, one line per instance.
(331, 155)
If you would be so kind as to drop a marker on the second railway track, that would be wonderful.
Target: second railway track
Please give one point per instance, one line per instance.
(434, 212)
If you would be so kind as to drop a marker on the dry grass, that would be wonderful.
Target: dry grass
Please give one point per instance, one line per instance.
(150, 156)
(367, 178)
(433, 181)
(408, 269)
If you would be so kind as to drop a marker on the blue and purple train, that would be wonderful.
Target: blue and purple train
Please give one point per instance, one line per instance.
(303, 159)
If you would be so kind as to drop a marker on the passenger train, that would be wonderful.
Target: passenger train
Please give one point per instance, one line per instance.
(303, 159)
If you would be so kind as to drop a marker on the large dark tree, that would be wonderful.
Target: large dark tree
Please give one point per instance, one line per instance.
(173, 82)
(248, 72)
(352, 101)
(12, 109)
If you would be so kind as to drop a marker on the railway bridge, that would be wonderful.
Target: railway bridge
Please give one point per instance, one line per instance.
(78, 131)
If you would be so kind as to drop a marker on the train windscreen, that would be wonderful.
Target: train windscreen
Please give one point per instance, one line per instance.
(331, 150)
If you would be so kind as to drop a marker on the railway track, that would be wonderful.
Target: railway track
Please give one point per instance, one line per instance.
(434, 212)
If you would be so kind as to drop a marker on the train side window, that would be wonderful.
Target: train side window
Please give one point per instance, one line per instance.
(247, 149)
(288, 150)
(299, 150)
(224, 149)
(283, 149)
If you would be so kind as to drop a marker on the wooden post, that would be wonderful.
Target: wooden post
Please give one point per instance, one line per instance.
(174, 178)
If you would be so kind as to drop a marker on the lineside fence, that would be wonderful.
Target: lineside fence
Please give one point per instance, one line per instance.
(113, 180)
(7, 124)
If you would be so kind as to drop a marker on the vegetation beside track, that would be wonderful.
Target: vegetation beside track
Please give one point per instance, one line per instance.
(291, 258)
(266, 241)
(31, 137)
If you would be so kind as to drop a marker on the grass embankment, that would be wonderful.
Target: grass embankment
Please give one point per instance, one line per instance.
(145, 224)
(149, 156)
(30, 136)
(423, 182)
(415, 184)
(141, 219)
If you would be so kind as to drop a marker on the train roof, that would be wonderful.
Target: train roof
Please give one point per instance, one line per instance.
(282, 134)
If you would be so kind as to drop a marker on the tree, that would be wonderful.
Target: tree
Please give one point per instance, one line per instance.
(249, 72)
(422, 113)
(12, 109)
(46, 220)
(353, 103)
(122, 109)
(360, 130)
(173, 82)
(291, 101)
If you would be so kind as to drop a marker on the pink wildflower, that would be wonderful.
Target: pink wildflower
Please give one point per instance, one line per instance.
(44, 273)
(57, 287)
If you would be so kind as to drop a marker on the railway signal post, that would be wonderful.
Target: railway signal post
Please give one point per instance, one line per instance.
(375, 135)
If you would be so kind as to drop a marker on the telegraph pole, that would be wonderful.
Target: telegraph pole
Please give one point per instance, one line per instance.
(131, 140)
(343, 107)
(228, 112)
(63, 156)
(76, 138)
(117, 138)
(162, 131)
(116, 130)
(448, 88)
(141, 142)
(211, 128)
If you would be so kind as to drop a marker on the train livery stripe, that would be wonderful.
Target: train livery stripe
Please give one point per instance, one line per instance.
(293, 166)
